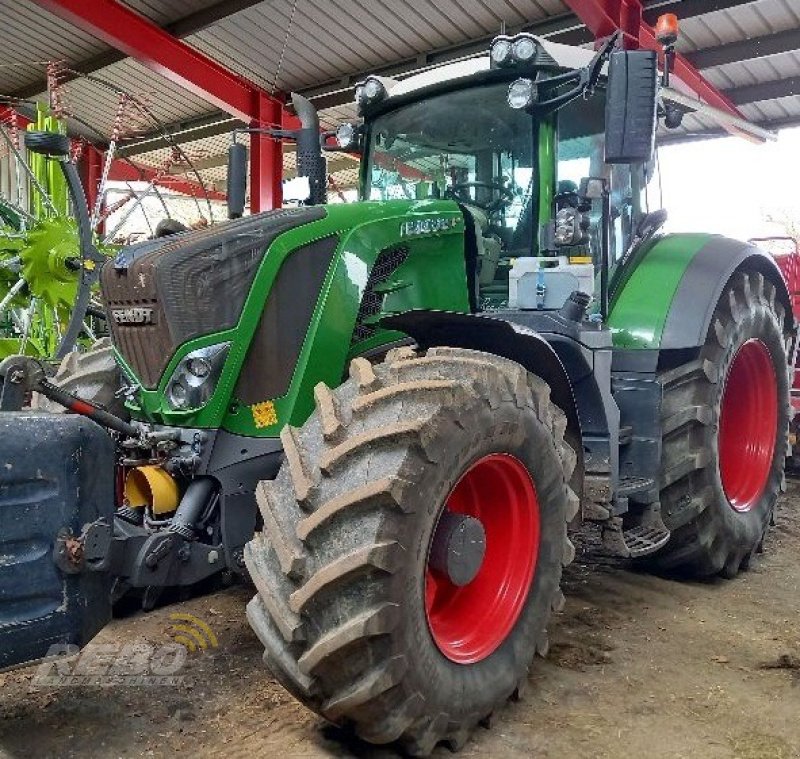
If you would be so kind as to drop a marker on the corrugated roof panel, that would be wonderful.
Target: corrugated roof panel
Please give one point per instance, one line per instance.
(780, 14)
(754, 19)
(163, 12)
(756, 71)
(31, 37)
(96, 103)
(331, 38)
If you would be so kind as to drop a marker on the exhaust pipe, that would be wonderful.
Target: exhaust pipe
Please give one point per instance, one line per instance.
(310, 161)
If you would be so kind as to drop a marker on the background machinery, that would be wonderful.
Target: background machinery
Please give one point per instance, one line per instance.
(411, 398)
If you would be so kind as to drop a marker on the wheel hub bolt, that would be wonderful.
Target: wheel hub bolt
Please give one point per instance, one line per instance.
(458, 547)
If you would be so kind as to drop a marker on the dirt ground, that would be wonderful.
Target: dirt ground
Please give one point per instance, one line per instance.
(639, 666)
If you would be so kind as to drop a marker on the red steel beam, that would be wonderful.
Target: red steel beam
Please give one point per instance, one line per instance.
(604, 17)
(141, 39)
(7, 117)
(122, 171)
(138, 37)
(266, 163)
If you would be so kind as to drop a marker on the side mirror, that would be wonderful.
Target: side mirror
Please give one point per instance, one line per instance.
(237, 179)
(631, 105)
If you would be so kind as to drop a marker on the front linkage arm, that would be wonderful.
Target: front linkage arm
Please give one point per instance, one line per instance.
(22, 375)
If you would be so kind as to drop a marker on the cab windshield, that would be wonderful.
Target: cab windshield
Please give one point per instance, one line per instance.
(467, 145)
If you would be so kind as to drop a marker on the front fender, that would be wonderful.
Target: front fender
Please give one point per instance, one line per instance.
(497, 336)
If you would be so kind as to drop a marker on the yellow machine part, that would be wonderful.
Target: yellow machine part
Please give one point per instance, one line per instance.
(151, 486)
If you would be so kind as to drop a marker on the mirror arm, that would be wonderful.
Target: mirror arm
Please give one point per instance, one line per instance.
(548, 106)
(586, 79)
(595, 67)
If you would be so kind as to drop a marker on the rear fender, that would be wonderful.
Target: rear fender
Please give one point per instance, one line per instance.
(666, 299)
(701, 287)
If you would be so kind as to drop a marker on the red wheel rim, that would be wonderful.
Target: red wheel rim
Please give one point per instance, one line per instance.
(469, 623)
(748, 425)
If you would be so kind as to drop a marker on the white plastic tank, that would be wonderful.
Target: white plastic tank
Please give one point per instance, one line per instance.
(546, 283)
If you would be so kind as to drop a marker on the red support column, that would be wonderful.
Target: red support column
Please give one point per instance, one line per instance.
(604, 17)
(91, 171)
(266, 160)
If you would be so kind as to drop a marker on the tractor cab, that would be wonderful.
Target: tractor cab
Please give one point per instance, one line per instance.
(518, 140)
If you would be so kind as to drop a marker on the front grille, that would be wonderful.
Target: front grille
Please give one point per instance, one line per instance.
(194, 284)
(388, 262)
(145, 347)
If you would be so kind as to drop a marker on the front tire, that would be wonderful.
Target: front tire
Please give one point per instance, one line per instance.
(725, 419)
(345, 607)
(92, 375)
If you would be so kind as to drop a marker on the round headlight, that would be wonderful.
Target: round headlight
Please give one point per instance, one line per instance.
(360, 97)
(372, 89)
(199, 367)
(178, 395)
(523, 49)
(521, 93)
(345, 135)
(500, 52)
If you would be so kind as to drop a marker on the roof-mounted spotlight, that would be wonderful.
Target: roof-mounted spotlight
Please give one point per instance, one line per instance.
(500, 51)
(370, 91)
(523, 48)
(510, 51)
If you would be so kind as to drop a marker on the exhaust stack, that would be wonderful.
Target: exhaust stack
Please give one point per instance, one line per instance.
(310, 161)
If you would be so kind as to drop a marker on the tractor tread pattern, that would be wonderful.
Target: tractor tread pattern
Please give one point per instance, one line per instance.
(707, 537)
(342, 528)
(93, 375)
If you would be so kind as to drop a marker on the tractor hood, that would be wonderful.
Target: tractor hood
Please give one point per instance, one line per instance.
(161, 293)
(233, 326)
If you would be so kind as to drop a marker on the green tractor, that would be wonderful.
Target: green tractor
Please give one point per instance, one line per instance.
(389, 414)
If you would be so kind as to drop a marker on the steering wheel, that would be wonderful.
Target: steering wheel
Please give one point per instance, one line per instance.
(458, 192)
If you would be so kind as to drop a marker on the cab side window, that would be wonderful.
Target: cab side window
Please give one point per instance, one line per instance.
(581, 154)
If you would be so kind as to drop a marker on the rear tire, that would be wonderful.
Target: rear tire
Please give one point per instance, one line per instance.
(340, 566)
(722, 472)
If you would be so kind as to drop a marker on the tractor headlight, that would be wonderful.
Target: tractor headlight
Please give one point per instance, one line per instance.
(523, 49)
(509, 51)
(500, 52)
(522, 93)
(346, 136)
(195, 378)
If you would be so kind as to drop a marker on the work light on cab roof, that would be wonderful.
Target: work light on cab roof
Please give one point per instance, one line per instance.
(508, 51)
